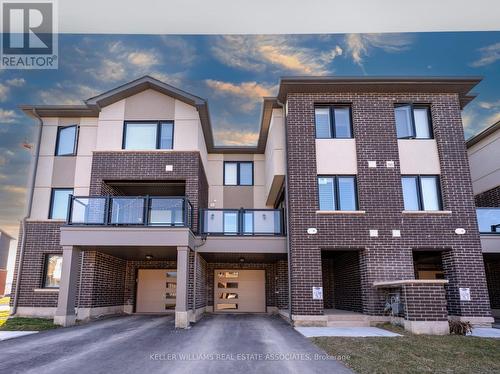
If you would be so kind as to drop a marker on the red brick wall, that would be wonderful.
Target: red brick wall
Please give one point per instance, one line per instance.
(489, 199)
(282, 284)
(425, 302)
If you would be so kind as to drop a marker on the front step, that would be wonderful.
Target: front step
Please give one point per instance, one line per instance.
(347, 320)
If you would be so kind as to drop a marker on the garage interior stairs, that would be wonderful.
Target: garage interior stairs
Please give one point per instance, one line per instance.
(346, 318)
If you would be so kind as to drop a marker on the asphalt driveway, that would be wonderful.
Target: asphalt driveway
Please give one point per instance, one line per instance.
(151, 344)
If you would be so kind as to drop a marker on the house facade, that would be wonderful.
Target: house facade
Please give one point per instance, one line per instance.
(355, 207)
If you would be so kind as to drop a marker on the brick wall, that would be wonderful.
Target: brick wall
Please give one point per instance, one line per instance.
(425, 302)
(201, 280)
(492, 266)
(282, 284)
(489, 199)
(380, 195)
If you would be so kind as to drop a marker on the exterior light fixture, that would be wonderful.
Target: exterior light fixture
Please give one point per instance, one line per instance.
(149, 257)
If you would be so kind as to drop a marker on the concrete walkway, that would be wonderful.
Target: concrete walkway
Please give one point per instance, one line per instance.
(485, 332)
(6, 335)
(151, 344)
(353, 332)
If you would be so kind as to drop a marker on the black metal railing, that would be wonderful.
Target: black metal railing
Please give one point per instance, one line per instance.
(488, 220)
(130, 210)
(241, 222)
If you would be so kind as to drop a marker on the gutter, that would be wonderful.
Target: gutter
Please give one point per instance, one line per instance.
(28, 210)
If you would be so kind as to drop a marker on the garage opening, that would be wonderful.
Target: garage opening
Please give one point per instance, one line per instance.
(239, 291)
(156, 290)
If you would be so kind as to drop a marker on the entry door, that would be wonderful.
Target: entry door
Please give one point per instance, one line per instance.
(239, 291)
(156, 290)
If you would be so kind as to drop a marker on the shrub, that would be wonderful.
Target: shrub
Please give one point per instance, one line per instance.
(460, 327)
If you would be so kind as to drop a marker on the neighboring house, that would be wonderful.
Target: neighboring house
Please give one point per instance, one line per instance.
(4, 256)
(484, 159)
(356, 198)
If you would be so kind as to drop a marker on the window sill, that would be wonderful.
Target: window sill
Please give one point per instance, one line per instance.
(340, 212)
(46, 290)
(427, 212)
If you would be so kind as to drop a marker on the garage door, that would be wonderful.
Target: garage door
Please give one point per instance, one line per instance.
(156, 290)
(240, 291)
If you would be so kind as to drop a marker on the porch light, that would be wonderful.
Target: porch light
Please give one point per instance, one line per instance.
(149, 257)
(242, 259)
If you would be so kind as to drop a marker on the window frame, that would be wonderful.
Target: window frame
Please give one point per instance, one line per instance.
(158, 124)
(414, 106)
(336, 190)
(333, 129)
(51, 203)
(420, 199)
(75, 142)
(238, 173)
(45, 268)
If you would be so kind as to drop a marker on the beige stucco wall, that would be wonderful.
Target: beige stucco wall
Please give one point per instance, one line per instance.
(274, 157)
(418, 156)
(336, 156)
(484, 160)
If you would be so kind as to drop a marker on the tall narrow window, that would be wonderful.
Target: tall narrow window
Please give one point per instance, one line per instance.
(52, 271)
(238, 173)
(413, 121)
(337, 193)
(421, 192)
(148, 135)
(66, 140)
(59, 203)
(333, 122)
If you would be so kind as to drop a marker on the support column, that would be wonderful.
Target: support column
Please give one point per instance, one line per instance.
(181, 307)
(65, 312)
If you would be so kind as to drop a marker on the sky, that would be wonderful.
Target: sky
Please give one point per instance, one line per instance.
(233, 73)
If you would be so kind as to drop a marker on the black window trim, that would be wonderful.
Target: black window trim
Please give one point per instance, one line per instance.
(45, 268)
(75, 142)
(336, 189)
(419, 190)
(413, 126)
(51, 203)
(158, 131)
(238, 163)
(333, 130)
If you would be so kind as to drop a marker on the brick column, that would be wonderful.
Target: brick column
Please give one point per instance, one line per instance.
(65, 312)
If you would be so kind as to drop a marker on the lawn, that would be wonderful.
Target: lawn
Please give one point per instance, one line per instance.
(416, 353)
(21, 323)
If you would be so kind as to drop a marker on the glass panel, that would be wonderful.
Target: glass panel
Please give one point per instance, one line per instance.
(322, 118)
(88, 210)
(403, 121)
(488, 220)
(347, 193)
(127, 210)
(246, 174)
(430, 194)
(410, 194)
(140, 135)
(230, 173)
(228, 295)
(60, 204)
(230, 223)
(227, 284)
(53, 267)
(248, 223)
(67, 141)
(342, 122)
(166, 135)
(326, 193)
(265, 221)
(422, 125)
(166, 212)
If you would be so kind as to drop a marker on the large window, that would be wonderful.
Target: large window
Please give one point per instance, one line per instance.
(145, 135)
(52, 271)
(421, 192)
(333, 122)
(59, 203)
(66, 140)
(238, 173)
(337, 193)
(413, 121)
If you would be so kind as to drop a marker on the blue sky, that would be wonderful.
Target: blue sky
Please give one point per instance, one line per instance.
(232, 73)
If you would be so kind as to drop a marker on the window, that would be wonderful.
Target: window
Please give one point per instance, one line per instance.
(238, 173)
(413, 122)
(52, 271)
(66, 140)
(144, 135)
(333, 122)
(59, 203)
(337, 193)
(421, 192)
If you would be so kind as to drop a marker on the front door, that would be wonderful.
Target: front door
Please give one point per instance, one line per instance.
(156, 290)
(239, 291)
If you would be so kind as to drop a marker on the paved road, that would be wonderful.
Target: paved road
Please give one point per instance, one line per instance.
(150, 344)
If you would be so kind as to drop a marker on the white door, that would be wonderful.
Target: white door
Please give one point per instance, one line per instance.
(156, 290)
(240, 291)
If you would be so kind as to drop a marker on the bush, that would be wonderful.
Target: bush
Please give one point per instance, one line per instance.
(460, 327)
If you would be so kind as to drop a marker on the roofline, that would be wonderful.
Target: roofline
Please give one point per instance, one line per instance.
(483, 134)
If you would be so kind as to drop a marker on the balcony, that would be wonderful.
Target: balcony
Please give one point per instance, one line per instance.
(130, 211)
(488, 220)
(242, 222)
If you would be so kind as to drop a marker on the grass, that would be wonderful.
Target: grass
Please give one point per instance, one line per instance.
(415, 353)
(21, 323)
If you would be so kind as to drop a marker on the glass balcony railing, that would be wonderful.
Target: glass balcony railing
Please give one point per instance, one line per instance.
(130, 210)
(241, 222)
(488, 220)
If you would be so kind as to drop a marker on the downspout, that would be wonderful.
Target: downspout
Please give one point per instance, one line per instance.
(28, 210)
(287, 200)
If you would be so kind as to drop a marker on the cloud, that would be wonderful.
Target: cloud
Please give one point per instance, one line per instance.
(67, 93)
(8, 116)
(257, 53)
(488, 55)
(229, 137)
(16, 82)
(179, 49)
(14, 189)
(247, 93)
(4, 92)
(108, 70)
(489, 104)
(143, 59)
(360, 45)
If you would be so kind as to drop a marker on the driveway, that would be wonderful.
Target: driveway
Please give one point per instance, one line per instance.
(151, 344)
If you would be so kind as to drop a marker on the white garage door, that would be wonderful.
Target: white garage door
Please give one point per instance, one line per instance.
(156, 290)
(240, 291)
